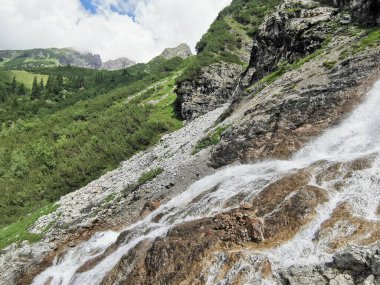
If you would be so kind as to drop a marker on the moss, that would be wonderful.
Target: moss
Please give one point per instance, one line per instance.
(212, 139)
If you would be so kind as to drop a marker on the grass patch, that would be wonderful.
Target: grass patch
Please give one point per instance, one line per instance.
(109, 198)
(18, 231)
(212, 139)
(144, 178)
(372, 39)
(329, 64)
(26, 78)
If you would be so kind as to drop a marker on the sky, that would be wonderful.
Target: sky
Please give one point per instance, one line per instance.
(137, 29)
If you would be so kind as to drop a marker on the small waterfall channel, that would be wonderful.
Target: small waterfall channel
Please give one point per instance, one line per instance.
(356, 137)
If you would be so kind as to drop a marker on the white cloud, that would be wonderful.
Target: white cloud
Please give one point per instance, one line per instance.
(65, 23)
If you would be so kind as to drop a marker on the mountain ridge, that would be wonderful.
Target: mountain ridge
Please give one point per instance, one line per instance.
(52, 57)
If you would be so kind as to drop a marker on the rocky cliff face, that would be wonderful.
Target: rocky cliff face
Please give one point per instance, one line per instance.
(208, 90)
(363, 12)
(86, 60)
(308, 219)
(116, 64)
(277, 119)
(182, 51)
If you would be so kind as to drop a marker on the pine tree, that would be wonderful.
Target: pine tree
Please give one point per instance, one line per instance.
(50, 84)
(56, 87)
(42, 85)
(13, 85)
(59, 80)
(21, 90)
(35, 90)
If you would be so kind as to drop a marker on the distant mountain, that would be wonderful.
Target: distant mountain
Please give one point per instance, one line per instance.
(118, 63)
(183, 51)
(20, 59)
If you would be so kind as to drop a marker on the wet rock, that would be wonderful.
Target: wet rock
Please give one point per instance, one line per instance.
(246, 205)
(353, 259)
(149, 207)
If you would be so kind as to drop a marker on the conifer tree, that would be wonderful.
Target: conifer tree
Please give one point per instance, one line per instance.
(35, 94)
(21, 90)
(42, 85)
(59, 80)
(13, 85)
(50, 84)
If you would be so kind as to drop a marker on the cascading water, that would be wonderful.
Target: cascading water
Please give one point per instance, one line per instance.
(358, 136)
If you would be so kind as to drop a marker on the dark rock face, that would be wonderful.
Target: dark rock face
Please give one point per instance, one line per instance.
(86, 60)
(365, 12)
(210, 89)
(291, 33)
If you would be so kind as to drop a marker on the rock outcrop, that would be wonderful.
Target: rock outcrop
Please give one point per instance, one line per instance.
(211, 88)
(276, 119)
(116, 64)
(365, 12)
(295, 31)
(86, 60)
(182, 51)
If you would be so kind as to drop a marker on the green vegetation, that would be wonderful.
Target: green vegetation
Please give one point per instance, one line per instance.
(144, 178)
(329, 64)
(62, 140)
(18, 231)
(109, 198)
(371, 39)
(26, 78)
(212, 139)
(224, 40)
(285, 67)
(150, 175)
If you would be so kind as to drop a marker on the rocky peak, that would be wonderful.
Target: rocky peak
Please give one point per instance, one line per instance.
(183, 51)
(116, 64)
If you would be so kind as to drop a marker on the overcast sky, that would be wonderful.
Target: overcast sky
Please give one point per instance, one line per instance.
(138, 29)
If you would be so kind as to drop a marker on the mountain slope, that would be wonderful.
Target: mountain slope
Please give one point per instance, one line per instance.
(50, 148)
(295, 201)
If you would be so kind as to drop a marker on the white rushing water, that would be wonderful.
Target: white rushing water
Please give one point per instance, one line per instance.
(358, 136)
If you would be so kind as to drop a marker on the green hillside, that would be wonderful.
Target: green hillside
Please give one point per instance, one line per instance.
(57, 143)
(229, 35)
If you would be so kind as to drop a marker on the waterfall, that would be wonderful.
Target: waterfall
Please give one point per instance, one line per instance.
(356, 137)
